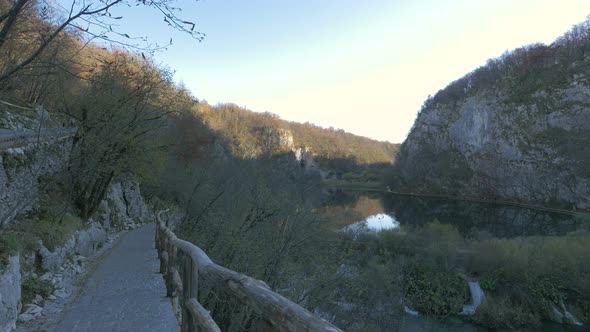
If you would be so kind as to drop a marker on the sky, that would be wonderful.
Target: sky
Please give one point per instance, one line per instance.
(365, 66)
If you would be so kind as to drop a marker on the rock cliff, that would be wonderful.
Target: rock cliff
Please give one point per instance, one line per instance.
(20, 171)
(517, 128)
(10, 295)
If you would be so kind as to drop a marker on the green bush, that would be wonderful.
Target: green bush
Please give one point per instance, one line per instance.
(523, 278)
(502, 313)
(8, 247)
(34, 285)
(488, 282)
(12, 163)
(53, 221)
(433, 291)
(53, 233)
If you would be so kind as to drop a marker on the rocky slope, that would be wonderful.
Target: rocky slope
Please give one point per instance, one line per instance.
(123, 208)
(24, 163)
(517, 128)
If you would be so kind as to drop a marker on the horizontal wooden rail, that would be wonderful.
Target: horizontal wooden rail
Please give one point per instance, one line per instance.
(200, 314)
(282, 313)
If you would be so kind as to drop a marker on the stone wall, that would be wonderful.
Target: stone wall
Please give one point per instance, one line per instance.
(20, 171)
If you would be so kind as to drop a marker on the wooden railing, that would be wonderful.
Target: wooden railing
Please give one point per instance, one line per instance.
(182, 263)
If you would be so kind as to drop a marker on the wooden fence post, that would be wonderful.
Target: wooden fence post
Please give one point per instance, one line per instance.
(186, 277)
(156, 238)
(194, 280)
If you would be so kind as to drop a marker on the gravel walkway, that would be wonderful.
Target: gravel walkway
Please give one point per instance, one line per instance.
(125, 292)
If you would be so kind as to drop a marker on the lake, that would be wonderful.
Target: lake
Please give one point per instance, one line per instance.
(385, 211)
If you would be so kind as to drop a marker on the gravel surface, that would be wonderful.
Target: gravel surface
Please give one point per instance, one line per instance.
(125, 292)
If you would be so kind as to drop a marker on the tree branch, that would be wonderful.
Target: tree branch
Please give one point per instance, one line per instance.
(10, 18)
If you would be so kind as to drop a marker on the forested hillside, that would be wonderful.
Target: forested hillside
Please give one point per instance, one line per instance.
(516, 128)
(251, 134)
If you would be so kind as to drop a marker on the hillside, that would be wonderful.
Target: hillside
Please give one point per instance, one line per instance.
(517, 128)
(248, 134)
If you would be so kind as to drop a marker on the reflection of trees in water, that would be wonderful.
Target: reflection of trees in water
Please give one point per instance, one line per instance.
(343, 209)
(340, 197)
(471, 218)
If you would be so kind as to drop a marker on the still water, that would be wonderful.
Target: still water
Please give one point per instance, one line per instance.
(382, 212)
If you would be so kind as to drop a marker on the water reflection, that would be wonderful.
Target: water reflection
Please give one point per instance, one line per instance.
(346, 209)
(477, 218)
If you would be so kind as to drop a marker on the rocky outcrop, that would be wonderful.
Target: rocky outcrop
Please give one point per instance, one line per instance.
(124, 208)
(262, 141)
(84, 243)
(20, 171)
(10, 295)
(273, 140)
(88, 241)
(305, 159)
(500, 141)
(33, 144)
(30, 119)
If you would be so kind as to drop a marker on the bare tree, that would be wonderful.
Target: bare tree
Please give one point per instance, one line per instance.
(46, 20)
(124, 105)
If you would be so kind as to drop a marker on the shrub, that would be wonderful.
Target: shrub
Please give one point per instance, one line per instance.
(8, 247)
(34, 285)
(53, 233)
(434, 291)
(488, 282)
(502, 313)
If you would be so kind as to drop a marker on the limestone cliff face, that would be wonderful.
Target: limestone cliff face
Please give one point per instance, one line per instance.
(273, 140)
(24, 162)
(20, 170)
(305, 159)
(488, 143)
(10, 294)
(123, 205)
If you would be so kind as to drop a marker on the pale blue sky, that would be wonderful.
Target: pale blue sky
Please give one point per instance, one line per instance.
(365, 66)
